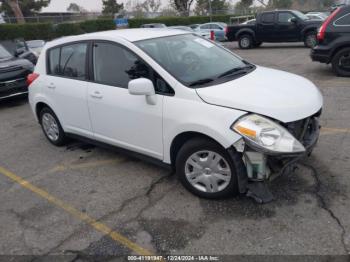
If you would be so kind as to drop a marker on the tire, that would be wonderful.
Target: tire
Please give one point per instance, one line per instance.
(245, 41)
(51, 127)
(258, 44)
(336, 62)
(310, 39)
(209, 184)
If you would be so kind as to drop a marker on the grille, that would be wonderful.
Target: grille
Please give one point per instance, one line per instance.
(13, 83)
(305, 130)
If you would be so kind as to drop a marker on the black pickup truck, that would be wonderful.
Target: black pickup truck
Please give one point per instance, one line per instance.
(275, 27)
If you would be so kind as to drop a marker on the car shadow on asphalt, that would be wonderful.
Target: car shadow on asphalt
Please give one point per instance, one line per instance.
(13, 102)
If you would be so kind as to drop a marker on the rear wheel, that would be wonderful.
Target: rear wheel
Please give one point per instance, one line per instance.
(341, 62)
(207, 170)
(245, 41)
(52, 127)
(310, 39)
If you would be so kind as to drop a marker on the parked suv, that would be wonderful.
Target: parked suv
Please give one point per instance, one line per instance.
(13, 74)
(181, 100)
(334, 42)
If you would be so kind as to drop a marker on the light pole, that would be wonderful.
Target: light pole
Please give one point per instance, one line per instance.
(210, 11)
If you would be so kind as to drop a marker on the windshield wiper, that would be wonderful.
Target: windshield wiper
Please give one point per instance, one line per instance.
(201, 82)
(237, 70)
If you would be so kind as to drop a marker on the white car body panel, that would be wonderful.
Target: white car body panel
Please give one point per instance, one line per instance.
(127, 121)
(280, 95)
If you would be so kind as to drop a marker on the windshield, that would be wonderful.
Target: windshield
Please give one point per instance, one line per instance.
(4, 53)
(192, 60)
(301, 15)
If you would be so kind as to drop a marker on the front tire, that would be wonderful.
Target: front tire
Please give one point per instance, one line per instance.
(341, 62)
(245, 41)
(310, 39)
(207, 170)
(51, 127)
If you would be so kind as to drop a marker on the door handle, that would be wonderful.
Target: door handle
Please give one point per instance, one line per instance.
(97, 95)
(51, 86)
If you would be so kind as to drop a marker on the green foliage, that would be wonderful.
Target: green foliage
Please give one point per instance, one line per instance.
(28, 7)
(111, 7)
(48, 31)
(26, 31)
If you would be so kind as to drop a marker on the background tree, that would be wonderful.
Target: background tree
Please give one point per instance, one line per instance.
(168, 11)
(243, 7)
(217, 6)
(281, 3)
(182, 6)
(73, 7)
(151, 5)
(111, 7)
(20, 8)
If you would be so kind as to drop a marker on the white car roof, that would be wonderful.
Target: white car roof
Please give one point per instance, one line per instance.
(130, 35)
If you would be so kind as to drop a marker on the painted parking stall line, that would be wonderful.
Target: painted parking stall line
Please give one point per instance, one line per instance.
(76, 213)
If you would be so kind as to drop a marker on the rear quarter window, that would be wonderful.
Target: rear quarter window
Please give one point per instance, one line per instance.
(343, 20)
(68, 61)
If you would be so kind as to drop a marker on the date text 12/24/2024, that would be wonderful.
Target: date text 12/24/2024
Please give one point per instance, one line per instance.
(174, 258)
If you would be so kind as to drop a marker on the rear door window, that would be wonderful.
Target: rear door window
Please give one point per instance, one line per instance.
(267, 18)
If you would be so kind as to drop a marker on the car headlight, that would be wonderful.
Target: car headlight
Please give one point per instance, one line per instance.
(265, 134)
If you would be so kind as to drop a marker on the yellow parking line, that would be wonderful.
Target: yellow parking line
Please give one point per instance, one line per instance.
(64, 167)
(76, 213)
(330, 131)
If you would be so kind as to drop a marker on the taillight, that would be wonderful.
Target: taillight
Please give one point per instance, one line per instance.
(225, 30)
(31, 78)
(322, 31)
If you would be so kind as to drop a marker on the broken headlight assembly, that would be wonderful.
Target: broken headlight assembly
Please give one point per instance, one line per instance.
(265, 135)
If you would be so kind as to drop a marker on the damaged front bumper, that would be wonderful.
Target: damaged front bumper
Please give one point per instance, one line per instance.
(262, 166)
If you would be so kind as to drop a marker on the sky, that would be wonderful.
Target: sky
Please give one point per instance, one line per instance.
(61, 5)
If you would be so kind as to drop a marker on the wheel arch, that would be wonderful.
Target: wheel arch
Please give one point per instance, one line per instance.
(339, 47)
(307, 30)
(245, 31)
(180, 139)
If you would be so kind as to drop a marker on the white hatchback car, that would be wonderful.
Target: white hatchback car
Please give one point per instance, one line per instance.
(225, 125)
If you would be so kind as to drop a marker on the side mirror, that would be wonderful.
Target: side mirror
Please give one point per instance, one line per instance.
(143, 86)
(294, 20)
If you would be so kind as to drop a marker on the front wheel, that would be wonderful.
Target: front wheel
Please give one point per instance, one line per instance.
(207, 170)
(310, 40)
(245, 41)
(341, 62)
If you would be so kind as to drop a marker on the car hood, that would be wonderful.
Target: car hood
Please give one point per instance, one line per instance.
(313, 22)
(279, 95)
(14, 61)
